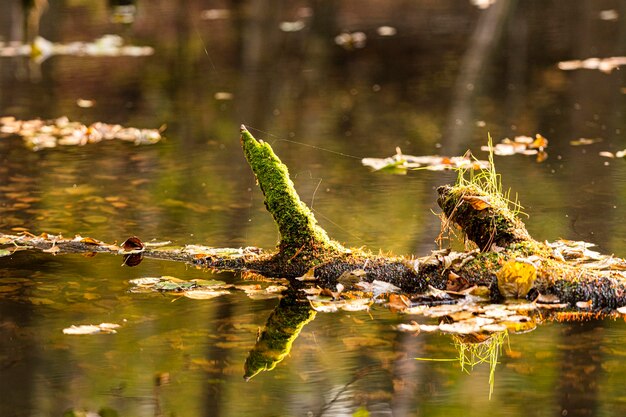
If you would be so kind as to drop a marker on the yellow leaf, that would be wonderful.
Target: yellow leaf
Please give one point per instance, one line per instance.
(516, 278)
(539, 142)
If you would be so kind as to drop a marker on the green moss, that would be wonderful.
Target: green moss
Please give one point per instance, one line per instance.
(299, 232)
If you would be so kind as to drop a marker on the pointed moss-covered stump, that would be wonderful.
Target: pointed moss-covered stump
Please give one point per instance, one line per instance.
(302, 240)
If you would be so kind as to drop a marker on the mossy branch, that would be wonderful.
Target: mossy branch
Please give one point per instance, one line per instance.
(299, 231)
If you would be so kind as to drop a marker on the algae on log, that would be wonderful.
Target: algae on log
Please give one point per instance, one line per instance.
(300, 235)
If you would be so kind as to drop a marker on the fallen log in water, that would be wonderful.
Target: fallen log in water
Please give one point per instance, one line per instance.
(505, 258)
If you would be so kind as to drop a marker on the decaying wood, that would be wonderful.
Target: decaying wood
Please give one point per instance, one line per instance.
(305, 248)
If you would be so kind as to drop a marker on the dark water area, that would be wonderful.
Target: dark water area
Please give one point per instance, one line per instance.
(447, 75)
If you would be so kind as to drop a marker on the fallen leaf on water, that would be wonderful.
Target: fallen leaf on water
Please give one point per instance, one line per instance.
(90, 241)
(609, 15)
(621, 310)
(223, 96)
(585, 141)
(351, 40)
(4, 252)
(356, 304)
(605, 65)
(133, 244)
(412, 327)
(584, 305)
(202, 294)
(157, 244)
(524, 145)
(400, 163)
(88, 329)
(398, 302)
(257, 292)
(386, 31)
(295, 26)
(85, 104)
(215, 14)
(147, 281)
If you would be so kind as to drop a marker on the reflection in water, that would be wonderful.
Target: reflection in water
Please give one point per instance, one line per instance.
(283, 327)
(475, 349)
(581, 369)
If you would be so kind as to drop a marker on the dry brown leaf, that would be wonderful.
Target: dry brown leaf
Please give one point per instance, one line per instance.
(133, 244)
(478, 202)
(398, 302)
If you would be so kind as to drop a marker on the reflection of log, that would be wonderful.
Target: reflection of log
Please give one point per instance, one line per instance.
(282, 328)
(304, 246)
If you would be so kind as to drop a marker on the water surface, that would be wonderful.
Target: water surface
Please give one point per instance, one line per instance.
(438, 86)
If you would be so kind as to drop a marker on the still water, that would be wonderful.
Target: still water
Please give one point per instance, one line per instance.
(428, 77)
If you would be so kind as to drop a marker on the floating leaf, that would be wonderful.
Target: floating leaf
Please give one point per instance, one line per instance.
(584, 141)
(398, 302)
(5, 252)
(606, 65)
(386, 31)
(257, 292)
(202, 294)
(413, 327)
(147, 281)
(223, 96)
(295, 26)
(90, 241)
(133, 244)
(400, 163)
(524, 145)
(85, 104)
(351, 40)
(516, 278)
(88, 329)
(39, 134)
